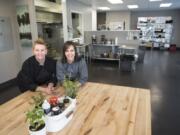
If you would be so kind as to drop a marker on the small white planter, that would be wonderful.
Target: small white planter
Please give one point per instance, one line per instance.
(39, 132)
(58, 122)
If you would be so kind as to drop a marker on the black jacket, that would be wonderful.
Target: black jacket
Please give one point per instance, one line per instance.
(32, 74)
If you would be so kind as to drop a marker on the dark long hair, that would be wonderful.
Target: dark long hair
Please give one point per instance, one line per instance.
(67, 44)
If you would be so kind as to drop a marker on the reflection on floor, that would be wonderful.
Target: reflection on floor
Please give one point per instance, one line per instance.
(160, 73)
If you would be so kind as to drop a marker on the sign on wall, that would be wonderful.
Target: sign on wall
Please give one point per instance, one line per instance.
(24, 25)
(6, 43)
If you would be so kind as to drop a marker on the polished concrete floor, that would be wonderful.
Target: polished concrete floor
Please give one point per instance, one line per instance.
(160, 73)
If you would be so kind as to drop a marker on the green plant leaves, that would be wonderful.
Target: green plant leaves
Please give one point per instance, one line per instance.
(38, 100)
(70, 87)
(35, 116)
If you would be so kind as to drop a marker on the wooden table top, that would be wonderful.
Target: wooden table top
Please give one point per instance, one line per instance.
(101, 110)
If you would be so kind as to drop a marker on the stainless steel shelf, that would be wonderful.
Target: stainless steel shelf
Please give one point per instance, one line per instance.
(105, 58)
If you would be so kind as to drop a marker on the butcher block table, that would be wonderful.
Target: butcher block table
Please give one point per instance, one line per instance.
(102, 109)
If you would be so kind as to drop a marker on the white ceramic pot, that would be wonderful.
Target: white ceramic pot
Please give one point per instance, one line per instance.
(58, 122)
(39, 132)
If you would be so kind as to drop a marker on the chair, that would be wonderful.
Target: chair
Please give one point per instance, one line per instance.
(127, 62)
(141, 54)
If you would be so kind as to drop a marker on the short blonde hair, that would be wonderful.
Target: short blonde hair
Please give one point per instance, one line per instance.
(40, 41)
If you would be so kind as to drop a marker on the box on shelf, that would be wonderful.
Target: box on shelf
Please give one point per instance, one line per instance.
(172, 48)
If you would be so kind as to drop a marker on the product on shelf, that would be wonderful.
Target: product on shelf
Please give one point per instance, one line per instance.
(155, 29)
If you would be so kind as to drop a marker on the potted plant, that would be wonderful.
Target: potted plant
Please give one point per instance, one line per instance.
(37, 100)
(35, 117)
(70, 87)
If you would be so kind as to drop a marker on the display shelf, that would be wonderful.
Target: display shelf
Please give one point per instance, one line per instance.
(112, 37)
(104, 51)
(107, 45)
(157, 30)
(100, 58)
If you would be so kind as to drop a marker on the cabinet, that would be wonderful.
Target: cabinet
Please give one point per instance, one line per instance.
(156, 29)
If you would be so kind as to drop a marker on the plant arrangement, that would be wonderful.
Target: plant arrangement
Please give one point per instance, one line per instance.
(58, 112)
(35, 116)
(37, 100)
(70, 87)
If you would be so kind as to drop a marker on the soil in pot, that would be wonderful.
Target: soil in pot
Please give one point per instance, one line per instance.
(66, 100)
(39, 128)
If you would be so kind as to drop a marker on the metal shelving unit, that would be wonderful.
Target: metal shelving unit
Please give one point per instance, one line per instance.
(104, 51)
(157, 30)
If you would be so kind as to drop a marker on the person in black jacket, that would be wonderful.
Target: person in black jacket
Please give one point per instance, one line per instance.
(38, 72)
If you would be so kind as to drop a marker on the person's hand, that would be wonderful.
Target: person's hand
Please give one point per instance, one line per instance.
(47, 90)
(44, 89)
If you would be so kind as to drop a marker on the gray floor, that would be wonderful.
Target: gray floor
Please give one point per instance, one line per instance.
(160, 73)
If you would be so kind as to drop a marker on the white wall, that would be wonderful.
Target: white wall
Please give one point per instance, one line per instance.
(119, 16)
(94, 19)
(175, 14)
(10, 60)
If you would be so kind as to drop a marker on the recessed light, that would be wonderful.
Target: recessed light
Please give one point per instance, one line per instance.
(154, 0)
(103, 8)
(165, 4)
(132, 6)
(115, 1)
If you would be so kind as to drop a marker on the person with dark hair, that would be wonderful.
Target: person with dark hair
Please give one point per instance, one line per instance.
(71, 65)
(38, 72)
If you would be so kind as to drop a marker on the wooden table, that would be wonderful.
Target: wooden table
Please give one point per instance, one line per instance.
(101, 110)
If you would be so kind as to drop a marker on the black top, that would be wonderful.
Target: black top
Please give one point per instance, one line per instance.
(33, 74)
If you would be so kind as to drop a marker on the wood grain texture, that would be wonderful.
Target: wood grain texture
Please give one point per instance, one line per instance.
(101, 109)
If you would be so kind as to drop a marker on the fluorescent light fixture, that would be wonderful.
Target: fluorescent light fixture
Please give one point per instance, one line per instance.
(165, 4)
(115, 1)
(154, 0)
(132, 6)
(104, 8)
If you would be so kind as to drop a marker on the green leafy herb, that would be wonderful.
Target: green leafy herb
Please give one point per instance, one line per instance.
(70, 87)
(35, 115)
(37, 100)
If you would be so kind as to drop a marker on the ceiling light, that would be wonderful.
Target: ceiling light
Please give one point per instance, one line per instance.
(115, 1)
(165, 4)
(104, 8)
(154, 0)
(132, 6)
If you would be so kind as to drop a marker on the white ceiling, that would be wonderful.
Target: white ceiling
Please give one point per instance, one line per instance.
(143, 4)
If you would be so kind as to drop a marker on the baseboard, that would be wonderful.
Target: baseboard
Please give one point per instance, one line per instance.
(157, 48)
(7, 84)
